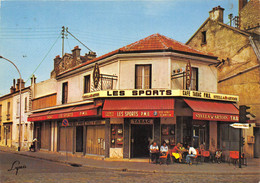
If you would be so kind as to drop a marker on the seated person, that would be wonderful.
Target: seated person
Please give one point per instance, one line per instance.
(154, 150)
(183, 151)
(32, 147)
(192, 153)
(176, 152)
(163, 149)
(218, 155)
(202, 148)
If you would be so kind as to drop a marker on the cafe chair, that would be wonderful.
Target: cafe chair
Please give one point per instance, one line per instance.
(196, 158)
(164, 159)
(234, 157)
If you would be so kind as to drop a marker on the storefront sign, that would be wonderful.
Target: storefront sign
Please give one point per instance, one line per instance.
(91, 112)
(96, 75)
(141, 121)
(137, 114)
(188, 75)
(240, 125)
(161, 93)
(96, 122)
(215, 117)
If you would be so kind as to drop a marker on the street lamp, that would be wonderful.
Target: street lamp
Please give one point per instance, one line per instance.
(20, 94)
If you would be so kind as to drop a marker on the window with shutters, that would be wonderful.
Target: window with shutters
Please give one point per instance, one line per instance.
(194, 79)
(64, 93)
(143, 76)
(87, 84)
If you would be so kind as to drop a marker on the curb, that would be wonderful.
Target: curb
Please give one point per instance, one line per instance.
(132, 170)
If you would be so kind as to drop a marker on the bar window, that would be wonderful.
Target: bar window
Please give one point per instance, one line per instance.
(64, 93)
(143, 76)
(87, 84)
(194, 79)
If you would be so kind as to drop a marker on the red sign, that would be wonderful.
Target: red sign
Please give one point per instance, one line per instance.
(65, 122)
(91, 112)
(215, 117)
(137, 114)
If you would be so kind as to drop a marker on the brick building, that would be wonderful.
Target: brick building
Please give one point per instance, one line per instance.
(239, 56)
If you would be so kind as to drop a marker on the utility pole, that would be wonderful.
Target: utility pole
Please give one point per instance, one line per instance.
(62, 36)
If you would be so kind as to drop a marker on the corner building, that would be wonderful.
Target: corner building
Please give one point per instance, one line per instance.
(116, 104)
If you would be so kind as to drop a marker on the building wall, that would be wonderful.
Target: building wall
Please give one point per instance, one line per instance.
(234, 47)
(26, 135)
(250, 16)
(44, 88)
(205, 73)
(4, 102)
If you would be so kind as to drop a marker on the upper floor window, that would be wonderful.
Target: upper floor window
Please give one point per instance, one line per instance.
(17, 107)
(194, 79)
(143, 76)
(8, 111)
(87, 84)
(25, 104)
(204, 37)
(65, 93)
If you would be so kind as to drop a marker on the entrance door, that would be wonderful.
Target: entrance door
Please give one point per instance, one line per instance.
(79, 139)
(38, 137)
(139, 140)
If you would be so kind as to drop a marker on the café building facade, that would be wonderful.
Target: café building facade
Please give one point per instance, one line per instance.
(156, 89)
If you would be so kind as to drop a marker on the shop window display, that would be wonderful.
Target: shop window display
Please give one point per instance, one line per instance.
(168, 134)
(117, 136)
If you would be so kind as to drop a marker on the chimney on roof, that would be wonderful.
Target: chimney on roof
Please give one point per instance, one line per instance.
(216, 14)
(18, 84)
(241, 4)
(56, 63)
(33, 79)
(12, 89)
(91, 55)
(76, 54)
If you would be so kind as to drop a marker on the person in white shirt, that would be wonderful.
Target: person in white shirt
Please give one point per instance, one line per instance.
(192, 153)
(164, 149)
(154, 151)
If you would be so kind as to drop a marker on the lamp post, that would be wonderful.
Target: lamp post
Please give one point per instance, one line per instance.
(20, 94)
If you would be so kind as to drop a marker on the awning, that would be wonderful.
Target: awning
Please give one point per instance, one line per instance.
(138, 108)
(70, 112)
(213, 111)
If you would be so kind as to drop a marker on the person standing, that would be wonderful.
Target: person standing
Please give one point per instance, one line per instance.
(154, 151)
(192, 153)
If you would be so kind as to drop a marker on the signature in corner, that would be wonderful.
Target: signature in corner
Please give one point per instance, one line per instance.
(16, 166)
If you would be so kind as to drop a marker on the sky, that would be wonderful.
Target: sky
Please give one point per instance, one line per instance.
(30, 31)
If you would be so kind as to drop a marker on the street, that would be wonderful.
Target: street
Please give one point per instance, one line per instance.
(37, 170)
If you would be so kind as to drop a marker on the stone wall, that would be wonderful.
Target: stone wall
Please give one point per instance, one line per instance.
(250, 16)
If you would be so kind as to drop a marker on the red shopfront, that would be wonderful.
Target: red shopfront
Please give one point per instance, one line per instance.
(52, 136)
(206, 123)
(135, 122)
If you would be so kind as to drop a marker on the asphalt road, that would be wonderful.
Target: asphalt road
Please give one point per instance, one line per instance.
(36, 170)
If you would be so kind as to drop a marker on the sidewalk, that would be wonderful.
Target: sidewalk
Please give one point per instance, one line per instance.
(141, 166)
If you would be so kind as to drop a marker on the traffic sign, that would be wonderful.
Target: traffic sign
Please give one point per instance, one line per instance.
(240, 125)
(65, 122)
